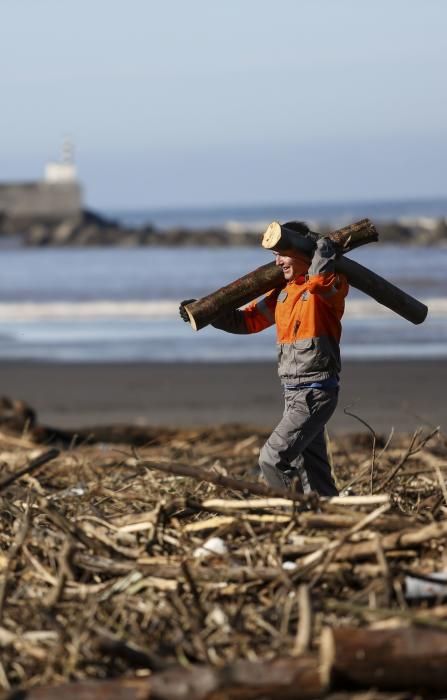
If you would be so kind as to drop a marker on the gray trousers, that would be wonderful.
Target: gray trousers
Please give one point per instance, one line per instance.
(295, 453)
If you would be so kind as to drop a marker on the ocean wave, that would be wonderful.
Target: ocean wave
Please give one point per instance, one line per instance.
(47, 311)
(368, 308)
(159, 309)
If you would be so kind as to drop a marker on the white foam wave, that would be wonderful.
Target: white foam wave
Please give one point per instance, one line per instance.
(34, 311)
(157, 309)
(368, 308)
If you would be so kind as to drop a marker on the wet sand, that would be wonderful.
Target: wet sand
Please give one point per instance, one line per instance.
(403, 394)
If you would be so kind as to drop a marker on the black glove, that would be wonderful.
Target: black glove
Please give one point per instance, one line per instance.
(312, 237)
(342, 242)
(182, 310)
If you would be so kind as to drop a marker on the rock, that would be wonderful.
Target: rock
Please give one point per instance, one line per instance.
(92, 229)
(38, 235)
(393, 232)
(65, 232)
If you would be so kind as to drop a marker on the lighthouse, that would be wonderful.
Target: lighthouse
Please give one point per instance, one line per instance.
(63, 171)
(54, 198)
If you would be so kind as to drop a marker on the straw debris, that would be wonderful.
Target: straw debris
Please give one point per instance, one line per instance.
(123, 562)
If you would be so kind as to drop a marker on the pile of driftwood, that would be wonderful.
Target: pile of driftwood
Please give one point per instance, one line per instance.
(167, 571)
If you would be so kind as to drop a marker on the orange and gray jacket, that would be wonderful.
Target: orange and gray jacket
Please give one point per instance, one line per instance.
(307, 313)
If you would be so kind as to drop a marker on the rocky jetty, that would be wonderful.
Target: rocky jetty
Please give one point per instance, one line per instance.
(90, 229)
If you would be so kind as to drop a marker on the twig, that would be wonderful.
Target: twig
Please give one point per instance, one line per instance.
(132, 654)
(17, 442)
(12, 555)
(374, 439)
(411, 450)
(304, 628)
(194, 590)
(331, 549)
(31, 467)
(417, 617)
(441, 481)
(65, 571)
(362, 472)
(310, 500)
(381, 559)
(4, 682)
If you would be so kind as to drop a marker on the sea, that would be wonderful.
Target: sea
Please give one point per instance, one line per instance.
(121, 304)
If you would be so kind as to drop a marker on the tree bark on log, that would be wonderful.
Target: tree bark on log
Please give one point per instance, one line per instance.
(204, 311)
(116, 689)
(406, 658)
(401, 659)
(280, 238)
(382, 291)
(283, 679)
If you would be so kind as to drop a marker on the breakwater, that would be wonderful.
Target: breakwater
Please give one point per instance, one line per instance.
(87, 228)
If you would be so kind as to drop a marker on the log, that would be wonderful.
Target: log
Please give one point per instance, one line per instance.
(284, 679)
(382, 291)
(398, 542)
(405, 658)
(157, 574)
(280, 238)
(203, 311)
(117, 689)
(359, 551)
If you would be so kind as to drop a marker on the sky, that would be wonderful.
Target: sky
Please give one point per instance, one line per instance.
(181, 103)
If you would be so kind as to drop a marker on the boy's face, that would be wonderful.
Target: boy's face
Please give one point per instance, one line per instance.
(292, 264)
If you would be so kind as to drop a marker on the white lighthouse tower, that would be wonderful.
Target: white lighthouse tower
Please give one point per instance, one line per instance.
(64, 171)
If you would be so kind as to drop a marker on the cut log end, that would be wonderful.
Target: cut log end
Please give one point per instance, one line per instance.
(272, 235)
(191, 319)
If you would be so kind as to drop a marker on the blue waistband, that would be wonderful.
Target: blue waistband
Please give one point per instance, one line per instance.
(330, 383)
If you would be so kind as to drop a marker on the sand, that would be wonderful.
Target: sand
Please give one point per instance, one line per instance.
(403, 394)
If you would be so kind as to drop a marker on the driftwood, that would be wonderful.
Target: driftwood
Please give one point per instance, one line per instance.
(118, 689)
(402, 659)
(285, 679)
(267, 277)
(280, 238)
(382, 291)
(228, 482)
(397, 659)
(109, 572)
(204, 311)
(29, 469)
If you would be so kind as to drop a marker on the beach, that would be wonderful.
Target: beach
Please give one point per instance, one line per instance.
(400, 394)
